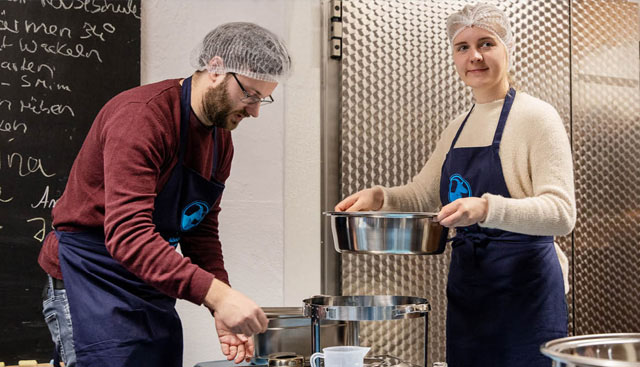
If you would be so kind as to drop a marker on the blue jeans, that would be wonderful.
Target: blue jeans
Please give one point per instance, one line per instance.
(55, 308)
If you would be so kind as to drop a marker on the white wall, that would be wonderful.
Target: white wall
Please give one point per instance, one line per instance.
(270, 219)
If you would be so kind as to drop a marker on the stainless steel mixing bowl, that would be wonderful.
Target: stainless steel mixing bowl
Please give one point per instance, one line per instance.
(598, 350)
(387, 233)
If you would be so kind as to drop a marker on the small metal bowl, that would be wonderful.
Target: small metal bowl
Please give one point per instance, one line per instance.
(599, 350)
(387, 233)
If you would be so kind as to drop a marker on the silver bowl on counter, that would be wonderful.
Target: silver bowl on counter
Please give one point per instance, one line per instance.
(387, 233)
(598, 350)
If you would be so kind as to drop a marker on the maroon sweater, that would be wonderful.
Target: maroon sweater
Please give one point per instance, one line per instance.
(124, 162)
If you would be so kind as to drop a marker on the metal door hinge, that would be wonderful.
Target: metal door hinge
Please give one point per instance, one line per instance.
(336, 29)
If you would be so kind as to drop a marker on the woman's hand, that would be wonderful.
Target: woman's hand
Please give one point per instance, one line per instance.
(365, 200)
(463, 212)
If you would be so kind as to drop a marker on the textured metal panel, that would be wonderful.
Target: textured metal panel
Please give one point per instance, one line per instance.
(399, 92)
(331, 80)
(606, 128)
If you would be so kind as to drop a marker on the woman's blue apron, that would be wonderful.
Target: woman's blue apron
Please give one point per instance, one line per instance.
(505, 292)
(119, 320)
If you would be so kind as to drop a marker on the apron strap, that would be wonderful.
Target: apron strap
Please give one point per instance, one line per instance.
(506, 108)
(461, 127)
(214, 166)
(185, 113)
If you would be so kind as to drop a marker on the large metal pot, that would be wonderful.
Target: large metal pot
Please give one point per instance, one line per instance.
(387, 233)
(290, 331)
(601, 350)
(365, 308)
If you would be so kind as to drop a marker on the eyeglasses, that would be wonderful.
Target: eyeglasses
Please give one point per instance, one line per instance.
(252, 98)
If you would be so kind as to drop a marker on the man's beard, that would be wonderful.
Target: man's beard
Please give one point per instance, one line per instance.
(217, 107)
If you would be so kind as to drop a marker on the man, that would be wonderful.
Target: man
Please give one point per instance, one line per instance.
(149, 176)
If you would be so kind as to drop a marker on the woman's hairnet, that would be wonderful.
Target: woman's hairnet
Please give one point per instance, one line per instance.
(246, 49)
(485, 16)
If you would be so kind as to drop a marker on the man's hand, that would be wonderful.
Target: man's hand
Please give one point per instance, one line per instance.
(234, 346)
(235, 311)
(463, 212)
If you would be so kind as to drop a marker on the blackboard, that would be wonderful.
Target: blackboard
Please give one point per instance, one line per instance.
(60, 61)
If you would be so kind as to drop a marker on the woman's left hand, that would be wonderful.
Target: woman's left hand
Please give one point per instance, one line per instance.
(463, 212)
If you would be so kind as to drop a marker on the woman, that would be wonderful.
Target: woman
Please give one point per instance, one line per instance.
(503, 175)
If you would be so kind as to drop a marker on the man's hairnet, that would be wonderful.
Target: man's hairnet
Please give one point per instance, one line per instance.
(246, 49)
(484, 16)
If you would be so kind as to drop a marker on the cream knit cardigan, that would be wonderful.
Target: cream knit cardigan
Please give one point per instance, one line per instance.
(536, 163)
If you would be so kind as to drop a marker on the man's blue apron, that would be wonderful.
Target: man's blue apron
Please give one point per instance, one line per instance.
(505, 292)
(118, 320)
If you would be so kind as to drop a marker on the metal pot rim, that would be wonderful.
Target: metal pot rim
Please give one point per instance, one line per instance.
(366, 308)
(381, 214)
(554, 349)
(283, 312)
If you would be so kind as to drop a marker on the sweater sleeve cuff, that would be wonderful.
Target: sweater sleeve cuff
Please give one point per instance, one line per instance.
(496, 210)
(199, 286)
(386, 199)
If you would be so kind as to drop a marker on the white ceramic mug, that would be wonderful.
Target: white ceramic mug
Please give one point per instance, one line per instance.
(343, 356)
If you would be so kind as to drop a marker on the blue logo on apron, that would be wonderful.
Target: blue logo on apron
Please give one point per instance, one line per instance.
(173, 241)
(458, 188)
(193, 214)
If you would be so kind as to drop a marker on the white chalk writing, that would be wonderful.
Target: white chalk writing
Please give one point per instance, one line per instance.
(38, 107)
(28, 66)
(42, 232)
(45, 202)
(41, 83)
(25, 167)
(2, 200)
(76, 51)
(12, 27)
(8, 127)
(91, 30)
(4, 44)
(47, 102)
(6, 104)
(94, 6)
(8, 65)
(49, 29)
